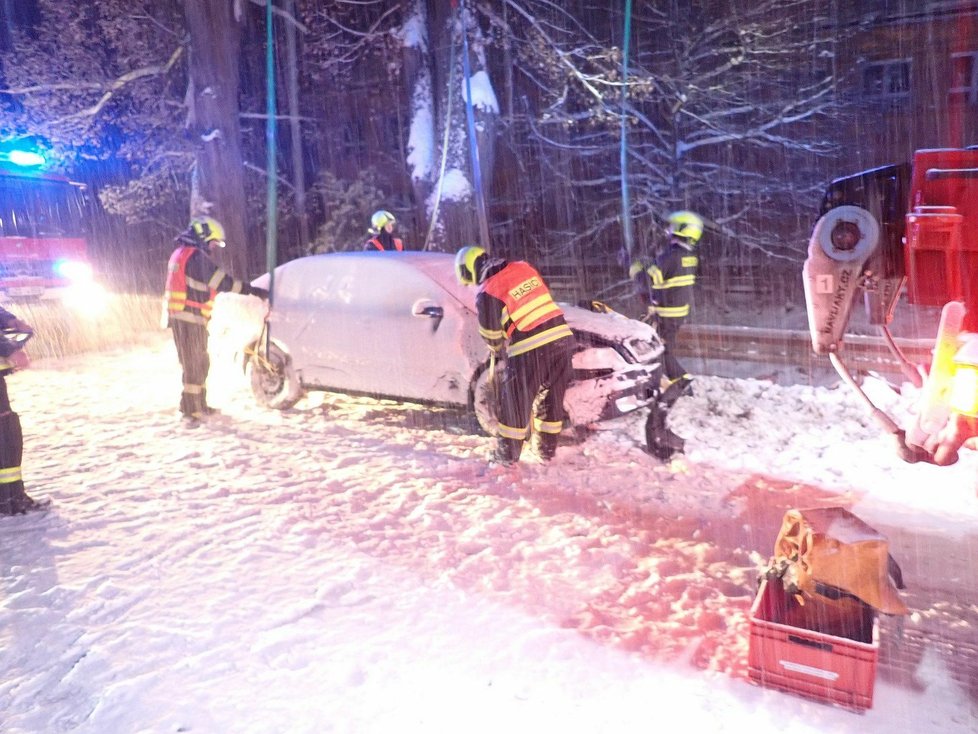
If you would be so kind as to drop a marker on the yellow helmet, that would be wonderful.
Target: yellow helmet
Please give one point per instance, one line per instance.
(381, 219)
(686, 224)
(208, 229)
(467, 264)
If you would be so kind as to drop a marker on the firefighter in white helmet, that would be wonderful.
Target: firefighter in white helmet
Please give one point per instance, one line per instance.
(192, 282)
(518, 315)
(666, 288)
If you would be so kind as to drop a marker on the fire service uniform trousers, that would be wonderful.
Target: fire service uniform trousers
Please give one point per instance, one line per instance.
(668, 329)
(191, 341)
(534, 384)
(12, 495)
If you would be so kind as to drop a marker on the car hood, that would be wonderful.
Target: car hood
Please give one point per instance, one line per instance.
(609, 325)
(638, 337)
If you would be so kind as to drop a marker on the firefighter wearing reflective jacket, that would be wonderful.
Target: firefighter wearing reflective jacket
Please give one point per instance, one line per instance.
(382, 228)
(666, 288)
(192, 282)
(518, 315)
(13, 499)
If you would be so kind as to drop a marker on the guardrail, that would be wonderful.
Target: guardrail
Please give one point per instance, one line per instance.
(779, 347)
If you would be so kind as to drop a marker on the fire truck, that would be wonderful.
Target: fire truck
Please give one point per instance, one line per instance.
(44, 255)
(911, 226)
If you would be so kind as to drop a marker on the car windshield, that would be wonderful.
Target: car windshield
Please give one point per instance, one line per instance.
(440, 267)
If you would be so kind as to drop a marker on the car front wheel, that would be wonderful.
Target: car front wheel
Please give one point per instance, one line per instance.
(485, 402)
(273, 381)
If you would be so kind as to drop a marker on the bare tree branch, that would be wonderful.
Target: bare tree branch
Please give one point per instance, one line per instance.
(113, 87)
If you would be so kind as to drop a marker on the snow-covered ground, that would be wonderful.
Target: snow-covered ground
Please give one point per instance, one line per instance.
(356, 566)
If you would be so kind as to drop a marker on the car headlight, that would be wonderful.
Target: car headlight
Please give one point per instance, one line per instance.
(641, 349)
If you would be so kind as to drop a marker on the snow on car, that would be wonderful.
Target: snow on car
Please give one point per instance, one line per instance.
(398, 325)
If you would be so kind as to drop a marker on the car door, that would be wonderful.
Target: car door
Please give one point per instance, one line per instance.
(383, 327)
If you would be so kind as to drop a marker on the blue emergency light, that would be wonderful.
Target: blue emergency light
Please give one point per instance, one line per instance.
(26, 158)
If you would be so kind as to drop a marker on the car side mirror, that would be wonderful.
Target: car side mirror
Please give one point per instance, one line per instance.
(427, 308)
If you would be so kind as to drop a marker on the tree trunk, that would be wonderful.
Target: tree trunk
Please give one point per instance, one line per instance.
(422, 166)
(215, 40)
(458, 221)
(295, 132)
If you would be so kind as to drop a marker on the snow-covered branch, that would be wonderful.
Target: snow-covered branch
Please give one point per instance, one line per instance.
(120, 83)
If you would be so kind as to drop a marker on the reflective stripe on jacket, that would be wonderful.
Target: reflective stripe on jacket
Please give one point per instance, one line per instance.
(673, 276)
(515, 305)
(192, 282)
(398, 244)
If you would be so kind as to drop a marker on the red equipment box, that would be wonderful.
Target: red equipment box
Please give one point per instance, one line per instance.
(824, 651)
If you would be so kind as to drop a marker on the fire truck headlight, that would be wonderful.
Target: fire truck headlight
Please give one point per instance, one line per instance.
(74, 270)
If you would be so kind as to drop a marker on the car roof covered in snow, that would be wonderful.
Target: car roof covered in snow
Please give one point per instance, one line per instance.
(440, 267)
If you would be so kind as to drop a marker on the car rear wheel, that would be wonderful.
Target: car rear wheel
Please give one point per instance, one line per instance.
(273, 381)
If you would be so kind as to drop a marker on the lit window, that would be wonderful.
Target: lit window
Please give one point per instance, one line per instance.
(885, 80)
(964, 78)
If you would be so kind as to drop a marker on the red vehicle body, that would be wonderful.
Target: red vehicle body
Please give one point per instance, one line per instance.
(43, 246)
(912, 225)
(941, 249)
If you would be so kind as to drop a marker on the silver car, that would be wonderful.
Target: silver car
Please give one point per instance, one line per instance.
(398, 325)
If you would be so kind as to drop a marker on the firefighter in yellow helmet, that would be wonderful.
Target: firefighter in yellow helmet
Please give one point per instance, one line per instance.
(519, 318)
(192, 282)
(666, 288)
(382, 233)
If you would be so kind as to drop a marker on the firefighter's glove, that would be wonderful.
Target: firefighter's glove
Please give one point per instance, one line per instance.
(910, 453)
(960, 432)
(651, 317)
(18, 360)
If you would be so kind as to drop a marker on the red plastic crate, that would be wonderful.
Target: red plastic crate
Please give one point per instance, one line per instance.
(827, 652)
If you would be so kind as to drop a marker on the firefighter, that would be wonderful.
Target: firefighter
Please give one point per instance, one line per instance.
(518, 318)
(666, 288)
(382, 228)
(192, 282)
(13, 499)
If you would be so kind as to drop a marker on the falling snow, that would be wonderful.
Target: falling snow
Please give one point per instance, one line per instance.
(356, 565)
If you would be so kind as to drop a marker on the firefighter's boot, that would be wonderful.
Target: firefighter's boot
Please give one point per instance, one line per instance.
(659, 440)
(507, 451)
(544, 445)
(193, 401)
(13, 499)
